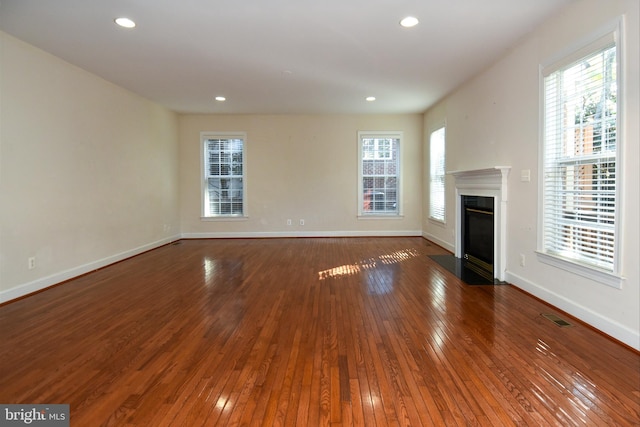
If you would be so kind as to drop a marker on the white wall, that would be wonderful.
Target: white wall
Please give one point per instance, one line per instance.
(301, 167)
(88, 171)
(493, 120)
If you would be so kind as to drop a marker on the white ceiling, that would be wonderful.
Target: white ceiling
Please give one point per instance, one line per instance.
(279, 56)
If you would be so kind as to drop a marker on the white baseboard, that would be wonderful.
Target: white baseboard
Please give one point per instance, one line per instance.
(604, 324)
(448, 246)
(284, 234)
(45, 282)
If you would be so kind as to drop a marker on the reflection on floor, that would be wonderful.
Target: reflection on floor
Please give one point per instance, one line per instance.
(457, 266)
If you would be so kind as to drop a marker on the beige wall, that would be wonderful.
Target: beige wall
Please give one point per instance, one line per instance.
(88, 171)
(301, 167)
(493, 121)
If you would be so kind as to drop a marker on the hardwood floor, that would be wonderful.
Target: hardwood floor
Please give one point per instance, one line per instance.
(307, 332)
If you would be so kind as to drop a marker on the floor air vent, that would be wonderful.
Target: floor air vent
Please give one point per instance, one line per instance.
(558, 321)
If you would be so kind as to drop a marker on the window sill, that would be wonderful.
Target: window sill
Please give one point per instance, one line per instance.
(224, 218)
(439, 222)
(380, 216)
(609, 279)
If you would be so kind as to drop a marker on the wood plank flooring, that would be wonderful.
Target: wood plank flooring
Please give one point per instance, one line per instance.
(307, 332)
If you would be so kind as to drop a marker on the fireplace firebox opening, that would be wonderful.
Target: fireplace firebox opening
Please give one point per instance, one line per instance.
(478, 234)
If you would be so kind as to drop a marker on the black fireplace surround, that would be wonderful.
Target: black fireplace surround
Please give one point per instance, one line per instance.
(478, 234)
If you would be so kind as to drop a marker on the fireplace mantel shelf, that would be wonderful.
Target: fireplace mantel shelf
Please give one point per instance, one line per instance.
(490, 179)
(495, 170)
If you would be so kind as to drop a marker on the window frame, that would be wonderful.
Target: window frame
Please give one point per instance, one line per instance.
(204, 176)
(362, 135)
(597, 42)
(438, 177)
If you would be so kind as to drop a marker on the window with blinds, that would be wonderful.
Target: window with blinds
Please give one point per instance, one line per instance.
(580, 157)
(379, 170)
(437, 174)
(223, 181)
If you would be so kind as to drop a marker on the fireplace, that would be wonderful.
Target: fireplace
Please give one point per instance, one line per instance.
(477, 234)
(478, 186)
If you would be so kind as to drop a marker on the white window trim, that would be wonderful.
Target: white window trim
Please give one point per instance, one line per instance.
(432, 219)
(611, 31)
(203, 187)
(380, 134)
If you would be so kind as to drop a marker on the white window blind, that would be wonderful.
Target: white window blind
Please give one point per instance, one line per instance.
(224, 181)
(379, 170)
(580, 158)
(437, 174)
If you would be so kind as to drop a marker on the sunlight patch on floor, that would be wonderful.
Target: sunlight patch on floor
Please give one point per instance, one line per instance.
(351, 269)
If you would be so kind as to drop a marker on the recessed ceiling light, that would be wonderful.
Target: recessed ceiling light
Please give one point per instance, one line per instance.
(220, 98)
(370, 98)
(409, 21)
(125, 22)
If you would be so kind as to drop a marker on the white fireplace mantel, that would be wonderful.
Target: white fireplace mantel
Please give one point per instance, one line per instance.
(488, 182)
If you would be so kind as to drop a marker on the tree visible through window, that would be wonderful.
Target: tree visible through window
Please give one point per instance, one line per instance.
(379, 167)
(580, 158)
(223, 186)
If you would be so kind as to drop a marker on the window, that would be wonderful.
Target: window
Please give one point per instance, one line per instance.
(437, 174)
(223, 181)
(580, 158)
(379, 171)
(377, 149)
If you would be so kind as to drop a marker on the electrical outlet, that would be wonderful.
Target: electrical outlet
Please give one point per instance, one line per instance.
(521, 260)
(288, 222)
(302, 222)
(31, 262)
